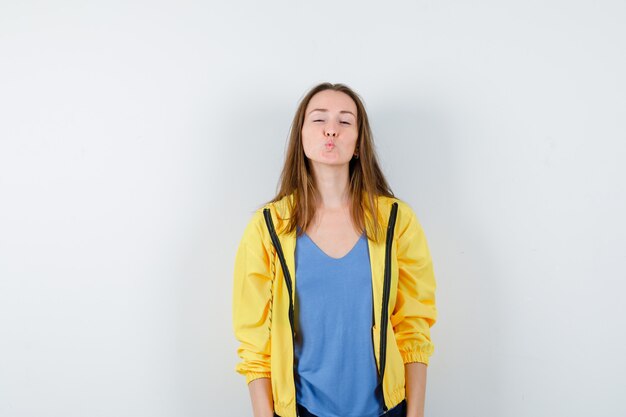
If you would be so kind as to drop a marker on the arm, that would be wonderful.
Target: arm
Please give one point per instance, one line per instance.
(414, 311)
(261, 397)
(252, 314)
(415, 376)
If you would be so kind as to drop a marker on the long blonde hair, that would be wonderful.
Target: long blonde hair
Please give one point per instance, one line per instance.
(366, 177)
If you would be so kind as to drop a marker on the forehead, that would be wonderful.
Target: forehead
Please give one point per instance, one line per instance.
(332, 100)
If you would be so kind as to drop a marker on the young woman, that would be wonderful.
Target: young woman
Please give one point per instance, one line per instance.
(334, 290)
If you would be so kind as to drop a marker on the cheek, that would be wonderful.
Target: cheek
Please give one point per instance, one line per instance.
(354, 137)
(306, 141)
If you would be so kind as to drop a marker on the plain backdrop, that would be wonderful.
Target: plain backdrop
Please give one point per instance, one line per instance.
(137, 138)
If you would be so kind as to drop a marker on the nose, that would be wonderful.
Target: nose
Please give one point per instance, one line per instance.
(331, 132)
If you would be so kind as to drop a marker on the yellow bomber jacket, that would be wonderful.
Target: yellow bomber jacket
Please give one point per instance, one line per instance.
(403, 287)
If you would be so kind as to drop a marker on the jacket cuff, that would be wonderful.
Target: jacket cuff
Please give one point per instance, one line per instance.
(251, 376)
(415, 356)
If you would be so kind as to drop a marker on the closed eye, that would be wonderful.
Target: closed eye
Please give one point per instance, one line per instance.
(320, 120)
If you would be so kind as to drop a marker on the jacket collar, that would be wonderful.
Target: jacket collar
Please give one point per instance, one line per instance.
(376, 249)
(282, 209)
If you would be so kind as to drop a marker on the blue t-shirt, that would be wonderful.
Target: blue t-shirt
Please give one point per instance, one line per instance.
(336, 372)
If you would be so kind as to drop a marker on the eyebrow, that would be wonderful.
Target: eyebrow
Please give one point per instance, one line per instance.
(342, 111)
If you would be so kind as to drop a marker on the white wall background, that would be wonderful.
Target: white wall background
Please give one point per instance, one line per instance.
(136, 138)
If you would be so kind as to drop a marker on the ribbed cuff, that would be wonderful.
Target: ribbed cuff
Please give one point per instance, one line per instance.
(251, 376)
(415, 356)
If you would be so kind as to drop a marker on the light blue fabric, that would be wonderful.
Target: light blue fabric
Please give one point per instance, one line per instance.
(336, 372)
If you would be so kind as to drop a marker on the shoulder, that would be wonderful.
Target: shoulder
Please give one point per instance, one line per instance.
(405, 212)
(274, 211)
(253, 232)
(281, 208)
(406, 218)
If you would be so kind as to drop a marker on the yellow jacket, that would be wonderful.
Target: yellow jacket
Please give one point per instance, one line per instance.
(264, 298)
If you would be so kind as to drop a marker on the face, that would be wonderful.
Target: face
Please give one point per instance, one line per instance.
(329, 132)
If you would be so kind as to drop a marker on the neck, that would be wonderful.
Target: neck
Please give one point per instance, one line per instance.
(333, 186)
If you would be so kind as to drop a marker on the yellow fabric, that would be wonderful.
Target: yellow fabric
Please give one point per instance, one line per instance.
(261, 302)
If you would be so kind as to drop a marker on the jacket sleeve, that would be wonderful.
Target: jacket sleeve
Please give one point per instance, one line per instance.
(415, 311)
(252, 292)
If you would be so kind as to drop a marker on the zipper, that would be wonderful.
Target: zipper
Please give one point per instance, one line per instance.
(386, 289)
(283, 264)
